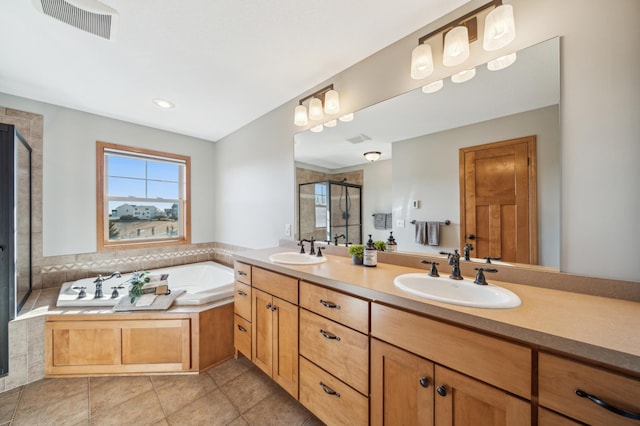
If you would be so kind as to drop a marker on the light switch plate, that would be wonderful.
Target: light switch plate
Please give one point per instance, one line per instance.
(287, 229)
(400, 223)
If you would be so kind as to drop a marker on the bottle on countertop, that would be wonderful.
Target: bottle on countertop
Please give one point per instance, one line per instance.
(392, 246)
(370, 253)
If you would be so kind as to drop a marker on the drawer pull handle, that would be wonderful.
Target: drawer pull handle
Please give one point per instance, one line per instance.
(618, 411)
(329, 391)
(242, 293)
(241, 328)
(329, 305)
(329, 336)
(242, 273)
(442, 390)
(424, 382)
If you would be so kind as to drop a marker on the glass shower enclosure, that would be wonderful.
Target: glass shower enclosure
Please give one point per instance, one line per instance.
(329, 209)
(15, 231)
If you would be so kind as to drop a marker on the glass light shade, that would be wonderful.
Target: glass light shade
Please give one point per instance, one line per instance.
(331, 123)
(332, 102)
(421, 62)
(372, 155)
(499, 28)
(433, 87)
(300, 116)
(315, 109)
(163, 103)
(502, 62)
(317, 129)
(456, 46)
(346, 118)
(463, 76)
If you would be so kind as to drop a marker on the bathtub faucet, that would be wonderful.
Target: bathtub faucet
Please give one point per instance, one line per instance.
(98, 282)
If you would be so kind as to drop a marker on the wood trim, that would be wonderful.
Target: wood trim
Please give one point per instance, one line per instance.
(105, 245)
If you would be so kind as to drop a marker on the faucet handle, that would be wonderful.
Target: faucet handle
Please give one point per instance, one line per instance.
(490, 258)
(480, 278)
(301, 244)
(433, 271)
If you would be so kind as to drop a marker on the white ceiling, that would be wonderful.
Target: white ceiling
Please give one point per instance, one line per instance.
(223, 63)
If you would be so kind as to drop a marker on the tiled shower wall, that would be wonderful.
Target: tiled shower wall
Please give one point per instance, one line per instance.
(26, 332)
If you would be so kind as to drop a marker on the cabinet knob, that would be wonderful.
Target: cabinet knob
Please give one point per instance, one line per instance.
(470, 237)
(269, 305)
(442, 390)
(424, 382)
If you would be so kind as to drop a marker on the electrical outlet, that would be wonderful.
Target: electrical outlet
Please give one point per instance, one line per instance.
(287, 229)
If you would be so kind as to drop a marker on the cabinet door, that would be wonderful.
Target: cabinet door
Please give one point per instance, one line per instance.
(285, 345)
(462, 400)
(261, 330)
(402, 387)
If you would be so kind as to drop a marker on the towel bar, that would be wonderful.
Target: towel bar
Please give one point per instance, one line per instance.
(446, 222)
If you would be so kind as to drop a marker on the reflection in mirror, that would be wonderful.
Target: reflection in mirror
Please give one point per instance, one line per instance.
(419, 136)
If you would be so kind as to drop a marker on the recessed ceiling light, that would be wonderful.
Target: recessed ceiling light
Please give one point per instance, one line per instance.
(163, 103)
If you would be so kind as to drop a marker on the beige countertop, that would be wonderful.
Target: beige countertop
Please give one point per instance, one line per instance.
(598, 329)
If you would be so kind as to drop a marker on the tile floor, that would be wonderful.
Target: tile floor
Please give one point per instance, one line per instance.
(233, 393)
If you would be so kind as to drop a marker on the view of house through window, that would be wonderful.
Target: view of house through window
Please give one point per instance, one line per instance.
(144, 196)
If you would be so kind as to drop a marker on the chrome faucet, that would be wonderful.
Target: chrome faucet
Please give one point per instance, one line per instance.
(453, 259)
(98, 282)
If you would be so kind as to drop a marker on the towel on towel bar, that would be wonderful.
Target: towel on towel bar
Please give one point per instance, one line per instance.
(433, 233)
(379, 220)
(421, 232)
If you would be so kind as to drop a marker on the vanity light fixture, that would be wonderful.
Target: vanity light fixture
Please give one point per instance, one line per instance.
(463, 76)
(163, 103)
(502, 62)
(499, 31)
(331, 123)
(346, 118)
(316, 110)
(372, 156)
(433, 87)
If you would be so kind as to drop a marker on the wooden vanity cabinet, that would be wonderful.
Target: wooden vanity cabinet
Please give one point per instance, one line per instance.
(560, 378)
(442, 374)
(274, 327)
(242, 309)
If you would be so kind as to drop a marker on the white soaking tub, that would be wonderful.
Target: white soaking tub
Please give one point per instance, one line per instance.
(203, 283)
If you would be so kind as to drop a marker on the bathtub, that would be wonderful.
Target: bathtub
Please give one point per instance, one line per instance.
(203, 283)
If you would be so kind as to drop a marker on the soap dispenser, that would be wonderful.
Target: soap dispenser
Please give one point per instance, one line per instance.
(370, 253)
(392, 246)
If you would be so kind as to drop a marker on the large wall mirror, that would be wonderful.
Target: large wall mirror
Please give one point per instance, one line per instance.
(419, 136)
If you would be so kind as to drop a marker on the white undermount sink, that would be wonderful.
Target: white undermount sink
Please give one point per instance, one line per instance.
(295, 258)
(457, 292)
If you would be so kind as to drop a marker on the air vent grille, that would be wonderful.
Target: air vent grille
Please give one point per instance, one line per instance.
(94, 23)
(358, 138)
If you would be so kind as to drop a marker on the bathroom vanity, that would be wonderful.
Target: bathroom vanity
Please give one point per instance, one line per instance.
(353, 348)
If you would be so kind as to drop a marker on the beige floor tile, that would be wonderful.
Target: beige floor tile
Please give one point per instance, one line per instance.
(313, 421)
(176, 392)
(239, 421)
(108, 393)
(248, 389)
(144, 409)
(229, 370)
(277, 409)
(8, 403)
(53, 401)
(212, 409)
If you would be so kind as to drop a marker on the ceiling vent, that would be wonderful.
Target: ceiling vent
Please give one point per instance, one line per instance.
(87, 15)
(359, 138)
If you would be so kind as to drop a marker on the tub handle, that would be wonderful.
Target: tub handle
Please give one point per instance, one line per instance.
(242, 293)
(241, 328)
(329, 305)
(329, 336)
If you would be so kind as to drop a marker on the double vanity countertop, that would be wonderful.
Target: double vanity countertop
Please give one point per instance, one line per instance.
(598, 329)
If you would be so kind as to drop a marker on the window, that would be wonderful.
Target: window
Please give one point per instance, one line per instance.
(321, 205)
(143, 197)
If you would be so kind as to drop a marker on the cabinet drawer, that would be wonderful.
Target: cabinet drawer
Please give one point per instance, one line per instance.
(559, 378)
(337, 349)
(242, 335)
(329, 399)
(549, 418)
(345, 309)
(242, 300)
(276, 284)
(497, 362)
(242, 272)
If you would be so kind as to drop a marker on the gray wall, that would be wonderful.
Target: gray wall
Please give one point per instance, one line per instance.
(600, 98)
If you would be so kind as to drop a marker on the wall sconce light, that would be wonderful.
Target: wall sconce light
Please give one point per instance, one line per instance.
(327, 96)
(372, 156)
(499, 31)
